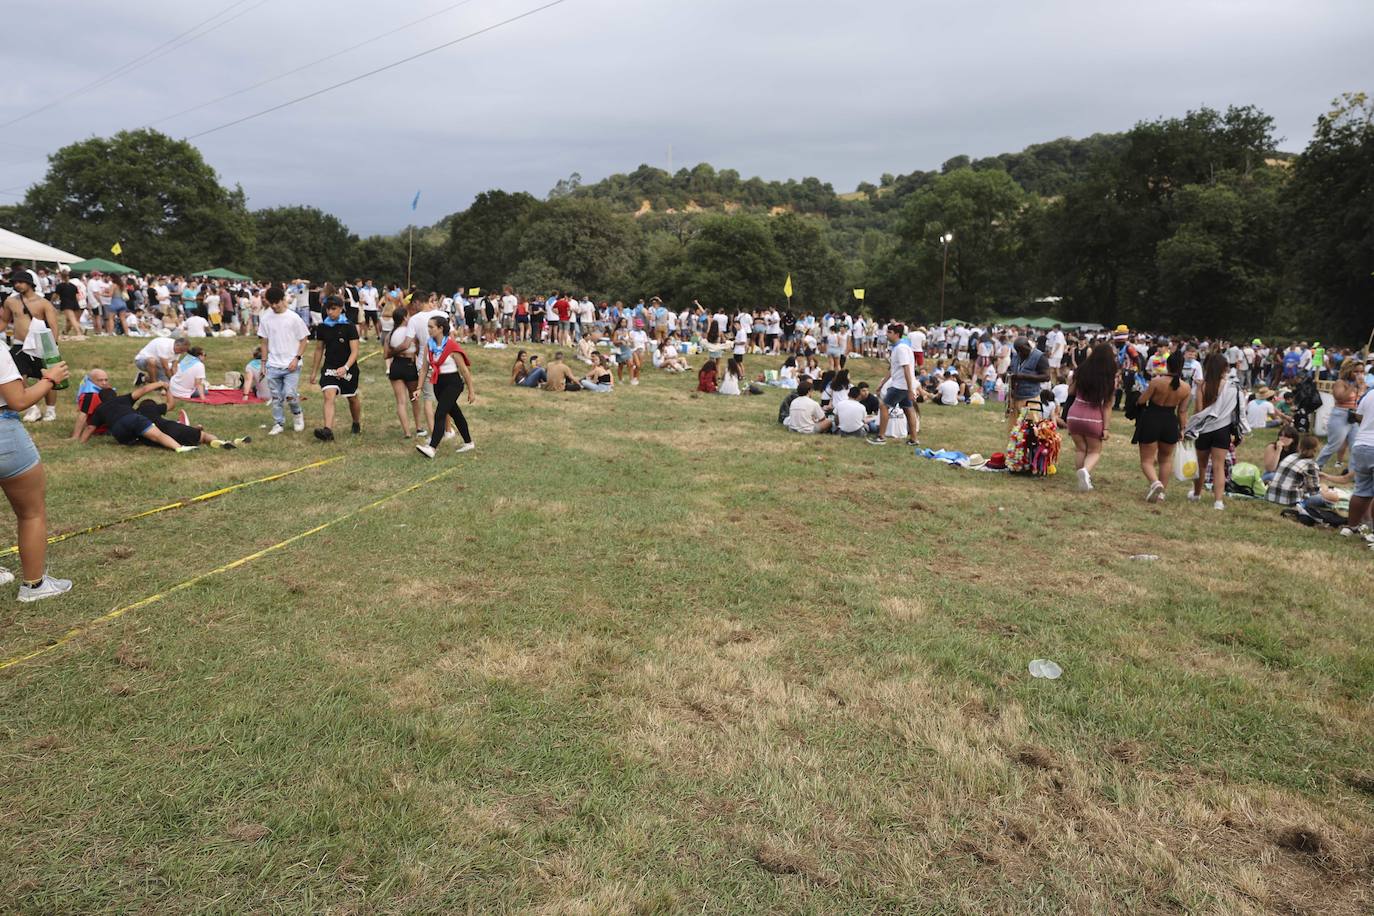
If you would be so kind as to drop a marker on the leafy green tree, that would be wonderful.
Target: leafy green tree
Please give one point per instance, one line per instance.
(731, 261)
(381, 257)
(1330, 220)
(154, 195)
(986, 268)
(1219, 271)
(585, 241)
(818, 274)
(483, 247)
(302, 242)
(1102, 240)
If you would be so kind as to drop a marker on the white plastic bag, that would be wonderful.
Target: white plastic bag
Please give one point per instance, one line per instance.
(1185, 461)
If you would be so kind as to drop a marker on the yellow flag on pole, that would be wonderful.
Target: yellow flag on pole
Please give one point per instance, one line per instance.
(787, 287)
(859, 294)
(475, 291)
(116, 249)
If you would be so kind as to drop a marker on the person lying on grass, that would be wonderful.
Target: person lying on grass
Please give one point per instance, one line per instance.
(103, 410)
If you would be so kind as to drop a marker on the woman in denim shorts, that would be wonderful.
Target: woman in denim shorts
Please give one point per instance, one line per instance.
(23, 479)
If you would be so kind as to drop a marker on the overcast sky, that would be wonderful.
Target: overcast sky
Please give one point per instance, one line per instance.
(844, 91)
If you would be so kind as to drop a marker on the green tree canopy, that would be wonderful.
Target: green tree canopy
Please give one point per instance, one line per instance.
(154, 195)
(303, 242)
(1329, 225)
(586, 242)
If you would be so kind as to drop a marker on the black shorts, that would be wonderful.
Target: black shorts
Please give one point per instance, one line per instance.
(1156, 424)
(347, 385)
(180, 432)
(69, 306)
(353, 312)
(403, 370)
(1217, 438)
(28, 366)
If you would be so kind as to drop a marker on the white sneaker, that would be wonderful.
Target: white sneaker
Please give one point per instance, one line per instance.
(450, 434)
(1084, 481)
(49, 414)
(634, 381)
(1193, 497)
(424, 449)
(1156, 493)
(421, 434)
(33, 414)
(465, 447)
(275, 430)
(6, 577)
(298, 423)
(1219, 505)
(46, 588)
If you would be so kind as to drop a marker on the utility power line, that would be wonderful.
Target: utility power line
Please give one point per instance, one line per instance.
(391, 66)
(328, 57)
(144, 58)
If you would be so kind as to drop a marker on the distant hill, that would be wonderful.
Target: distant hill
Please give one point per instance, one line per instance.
(1047, 169)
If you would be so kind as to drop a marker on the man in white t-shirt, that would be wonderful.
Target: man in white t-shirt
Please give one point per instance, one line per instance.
(508, 304)
(367, 297)
(917, 340)
(851, 417)
(194, 326)
(418, 325)
(805, 415)
(948, 392)
(1055, 344)
(901, 385)
(157, 361)
(286, 335)
(1362, 465)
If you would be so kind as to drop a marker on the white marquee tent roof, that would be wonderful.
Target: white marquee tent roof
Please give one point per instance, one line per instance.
(15, 247)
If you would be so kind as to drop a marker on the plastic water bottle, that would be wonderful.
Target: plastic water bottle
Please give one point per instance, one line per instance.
(50, 355)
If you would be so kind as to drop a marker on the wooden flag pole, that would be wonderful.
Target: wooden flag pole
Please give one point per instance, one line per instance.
(410, 255)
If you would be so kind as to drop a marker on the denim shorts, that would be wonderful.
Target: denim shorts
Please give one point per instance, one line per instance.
(17, 451)
(896, 397)
(1362, 465)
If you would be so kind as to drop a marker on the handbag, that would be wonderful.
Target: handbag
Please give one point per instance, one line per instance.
(1185, 461)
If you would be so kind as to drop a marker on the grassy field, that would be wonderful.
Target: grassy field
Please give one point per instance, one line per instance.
(647, 652)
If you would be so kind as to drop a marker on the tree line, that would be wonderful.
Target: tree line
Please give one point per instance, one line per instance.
(1194, 224)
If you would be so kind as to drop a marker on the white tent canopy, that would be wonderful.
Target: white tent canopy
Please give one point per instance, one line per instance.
(14, 247)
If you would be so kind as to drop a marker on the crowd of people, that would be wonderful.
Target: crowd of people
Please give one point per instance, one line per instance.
(1203, 396)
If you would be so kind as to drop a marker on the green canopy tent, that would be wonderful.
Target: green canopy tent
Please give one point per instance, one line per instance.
(219, 273)
(1043, 323)
(101, 264)
(952, 323)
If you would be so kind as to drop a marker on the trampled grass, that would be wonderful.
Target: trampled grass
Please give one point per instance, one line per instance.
(648, 652)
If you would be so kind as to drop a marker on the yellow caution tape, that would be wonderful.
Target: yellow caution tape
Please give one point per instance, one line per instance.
(179, 504)
(76, 631)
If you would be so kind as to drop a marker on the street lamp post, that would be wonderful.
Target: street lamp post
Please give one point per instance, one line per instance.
(944, 265)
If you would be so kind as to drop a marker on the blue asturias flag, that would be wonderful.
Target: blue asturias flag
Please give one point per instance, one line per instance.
(416, 202)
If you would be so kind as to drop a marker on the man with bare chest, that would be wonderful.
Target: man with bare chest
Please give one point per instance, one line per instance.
(18, 314)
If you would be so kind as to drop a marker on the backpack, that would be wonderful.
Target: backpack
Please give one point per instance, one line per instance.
(1245, 480)
(1306, 397)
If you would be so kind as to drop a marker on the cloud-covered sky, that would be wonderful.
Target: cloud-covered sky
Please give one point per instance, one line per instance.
(844, 91)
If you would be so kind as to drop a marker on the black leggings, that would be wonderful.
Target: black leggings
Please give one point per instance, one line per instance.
(446, 391)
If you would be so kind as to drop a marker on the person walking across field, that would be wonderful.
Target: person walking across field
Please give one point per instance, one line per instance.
(338, 349)
(285, 334)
